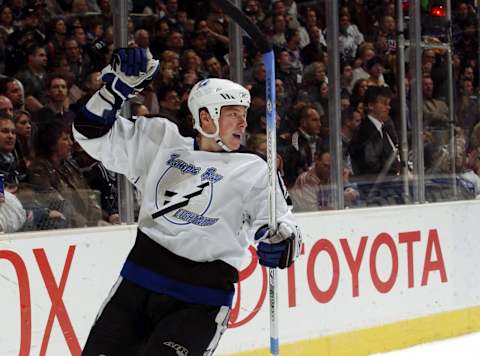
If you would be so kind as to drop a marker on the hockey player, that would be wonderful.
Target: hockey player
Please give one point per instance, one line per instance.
(175, 290)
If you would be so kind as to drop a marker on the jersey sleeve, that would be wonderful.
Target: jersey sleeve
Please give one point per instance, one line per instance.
(125, 146)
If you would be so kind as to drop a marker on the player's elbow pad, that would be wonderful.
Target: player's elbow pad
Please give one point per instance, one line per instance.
(98, 115)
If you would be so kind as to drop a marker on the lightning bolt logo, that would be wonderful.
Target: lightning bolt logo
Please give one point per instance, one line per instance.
(178, 202)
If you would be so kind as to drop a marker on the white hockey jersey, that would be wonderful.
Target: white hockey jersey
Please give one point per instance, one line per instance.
(196, 204)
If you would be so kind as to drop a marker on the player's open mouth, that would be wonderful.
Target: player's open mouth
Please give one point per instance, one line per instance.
(237, 136)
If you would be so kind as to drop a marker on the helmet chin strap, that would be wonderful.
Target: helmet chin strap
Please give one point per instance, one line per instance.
(215, 136)
(219, 142)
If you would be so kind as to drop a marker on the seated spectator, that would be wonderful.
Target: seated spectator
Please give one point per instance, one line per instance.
(313, 189)
(191, 61)
(258, 144)
(27, 34)
(396, 110)
(138, 109)
(57, 36)
(374, 148)
(386, 42)
(8, 163)
(254, 11)
(474, 139)
(290, 75)
(23, 147)
(32, 78)
(314, 51)
(278, 31)
(306, 139)
(169, 101)
(365, 52)
(313, 75)
(375, 68)
(161, 31)
(6, 20)
(78, 64)
(358, 92)
(257, 86)
(213, 38)
(311, 23)
(175, 42)
(57, 100)
(467, 114)
(435, 112)
(283, 101)
(292, 46)
(344, 100)
(12, 213)
(279, 8)
(99, 179)
(214, 67)
(469, 169)
(57, 183)
(79, 34)
(91, 85)
(142, 38)
(346, 77)
(6, 107)
(351, 120)
(13, 89)
(200, 44)
(349, 38)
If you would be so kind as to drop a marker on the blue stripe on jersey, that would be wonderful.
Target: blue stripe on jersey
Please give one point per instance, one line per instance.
(104, 120)
(180, 290)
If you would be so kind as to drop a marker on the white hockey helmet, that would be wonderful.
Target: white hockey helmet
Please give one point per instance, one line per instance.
(213, 94)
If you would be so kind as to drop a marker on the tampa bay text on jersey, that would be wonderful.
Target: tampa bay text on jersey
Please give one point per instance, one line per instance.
(177, 202)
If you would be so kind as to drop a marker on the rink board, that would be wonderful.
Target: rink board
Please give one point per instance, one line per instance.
(368, 281)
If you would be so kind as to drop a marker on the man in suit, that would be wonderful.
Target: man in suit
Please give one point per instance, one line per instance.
(374, 147)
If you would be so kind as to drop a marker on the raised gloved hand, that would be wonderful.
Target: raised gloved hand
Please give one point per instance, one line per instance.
(279, 249)
(131, 69)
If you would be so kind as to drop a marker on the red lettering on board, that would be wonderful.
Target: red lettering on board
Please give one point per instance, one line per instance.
(383, 239)
(292, 295)
(319, 295)
(354, 263)
(409, 238)
(58, 308)
(433, 265)
(25, 305)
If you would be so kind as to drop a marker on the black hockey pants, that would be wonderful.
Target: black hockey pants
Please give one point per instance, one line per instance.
(138, 322)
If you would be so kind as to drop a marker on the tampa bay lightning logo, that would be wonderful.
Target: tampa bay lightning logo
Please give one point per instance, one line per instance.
(178, 200)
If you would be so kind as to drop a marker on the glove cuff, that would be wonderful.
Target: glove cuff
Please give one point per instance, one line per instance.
(117, 87)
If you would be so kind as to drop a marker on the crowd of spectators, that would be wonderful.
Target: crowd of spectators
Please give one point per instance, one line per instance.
(52, 52)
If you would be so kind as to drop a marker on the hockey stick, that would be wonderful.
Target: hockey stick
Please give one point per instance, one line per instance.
(265, 48)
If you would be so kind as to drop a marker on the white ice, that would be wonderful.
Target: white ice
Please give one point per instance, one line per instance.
(467, 345)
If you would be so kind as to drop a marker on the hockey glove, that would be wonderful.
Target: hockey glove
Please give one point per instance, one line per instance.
(130, 71)
(279, 249)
